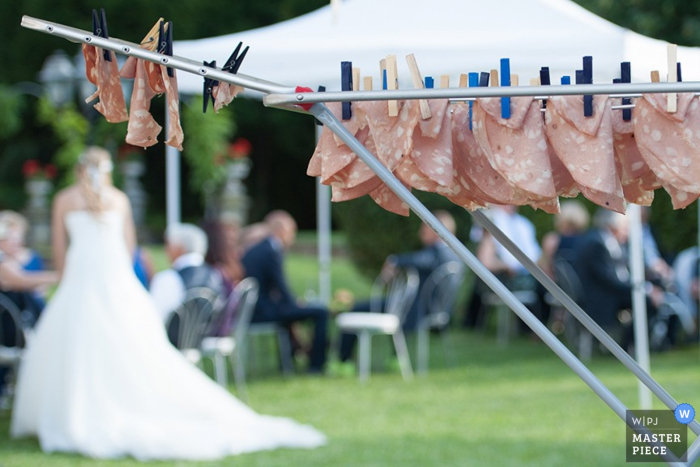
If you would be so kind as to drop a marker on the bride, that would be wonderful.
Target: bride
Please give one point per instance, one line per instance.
(99, 376)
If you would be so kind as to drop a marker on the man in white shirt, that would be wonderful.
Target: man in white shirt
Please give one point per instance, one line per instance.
(185, 246)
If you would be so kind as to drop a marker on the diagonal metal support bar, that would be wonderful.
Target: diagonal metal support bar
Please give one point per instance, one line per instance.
(581, 315)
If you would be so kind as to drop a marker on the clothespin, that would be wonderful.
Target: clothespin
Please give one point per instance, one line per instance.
(165, 42)
(418, 84)
(234, 61)
(355, 78)
(565, 80)
(320, 89)
(587, 79)
(626, 77)
(382, 73)
(544, 81)
(368, 83)
(209, 84)
(99, 29)
(392, 83)
(484, 79)
(429, 82)
(655, 76)
(150, 41)
(463, 80)
(672, 97)
(534, 81)
(445, 81)
(505, 81)
(346, 85)
(514, 80)
(678, 72)
(473, 82)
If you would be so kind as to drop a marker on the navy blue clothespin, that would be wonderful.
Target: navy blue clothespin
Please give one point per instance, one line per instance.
(587, 79)
(165, 42)
(99, 29)
(209, 85)
(505, 81)
(234, 61)
(626, 77)
(484, 77)
(545, 80)
(678, 72)
(346, 85)
(320, 89)
(429, 82)
(473, 83)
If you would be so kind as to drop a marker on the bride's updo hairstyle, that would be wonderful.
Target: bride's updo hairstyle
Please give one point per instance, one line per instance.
(94, 172)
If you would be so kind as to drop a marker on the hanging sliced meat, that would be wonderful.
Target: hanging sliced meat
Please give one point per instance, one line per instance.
(142, 129)
(105, 75)
(585, 146)
(365, 188)
(387, 199)
(432, 145)
(638, 181)
(175, 133)
(670, 142)
(516, 147)
(224, 93)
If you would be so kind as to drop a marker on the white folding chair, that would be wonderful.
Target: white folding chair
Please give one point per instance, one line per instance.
(399, 293)
(437, 297)
(194, 318)
(242, 299)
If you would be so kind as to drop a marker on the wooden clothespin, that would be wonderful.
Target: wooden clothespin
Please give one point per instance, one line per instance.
(626, 77)
(494, 79)
(392, 83)
(473, 83)
(514, 80)
(367, 83)
(535, 81)
(505, 81)
(445, 81)
(355, 78)
(587, 79)
(655, 76)
(346, 85)
(672, 97)
(418, 84)
(150, 41)
(544, 81)
(463, 80)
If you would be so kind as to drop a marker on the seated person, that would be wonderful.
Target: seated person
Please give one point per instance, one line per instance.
(601, 264)
(434, 253)
(185, 246)
(264, 261)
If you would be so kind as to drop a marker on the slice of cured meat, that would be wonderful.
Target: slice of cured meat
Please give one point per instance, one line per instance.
(105, 75)
(432, 145)
(142, 129)
(175, 133)
(224, 93)
(585, 146)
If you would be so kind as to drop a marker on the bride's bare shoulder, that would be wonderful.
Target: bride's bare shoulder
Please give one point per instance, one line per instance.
(67, 198)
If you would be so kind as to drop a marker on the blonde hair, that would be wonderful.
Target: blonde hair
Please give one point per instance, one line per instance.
(94, 172)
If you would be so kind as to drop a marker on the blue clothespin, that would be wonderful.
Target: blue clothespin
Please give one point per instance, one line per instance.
(505, 81)
(545, 81)
(99, 29)
(207, 91)
(474, 83)
(565, 80)
(165, 42)
(587, 79)
(384, 81)
(346, 85)
(429, 82)
(484, 77)
(626, 77)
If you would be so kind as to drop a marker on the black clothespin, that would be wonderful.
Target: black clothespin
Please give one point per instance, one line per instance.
(587, 79)
(678, 72)
(346, 85)
(165, 42)
(626, 77)
(545, 80)
(484, 79)
(234, 61)
(320, 89)
(99, 29)
(209, 83)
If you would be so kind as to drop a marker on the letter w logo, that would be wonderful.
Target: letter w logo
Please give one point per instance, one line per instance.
(684, 413)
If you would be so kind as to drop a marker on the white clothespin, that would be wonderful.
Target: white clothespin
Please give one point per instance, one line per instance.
(392, 83)
(418, 84)
(672, 54)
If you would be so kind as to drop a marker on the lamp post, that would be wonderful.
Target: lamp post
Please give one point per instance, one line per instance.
(58, 77)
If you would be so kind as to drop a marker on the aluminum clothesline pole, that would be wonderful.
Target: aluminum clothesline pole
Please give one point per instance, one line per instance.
(131, 49)
(542, 92)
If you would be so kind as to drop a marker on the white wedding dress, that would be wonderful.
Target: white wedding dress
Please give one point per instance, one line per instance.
(100, 378)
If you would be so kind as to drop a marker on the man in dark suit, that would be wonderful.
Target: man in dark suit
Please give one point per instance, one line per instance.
(434, 253)
(264, 261)
(601, 263)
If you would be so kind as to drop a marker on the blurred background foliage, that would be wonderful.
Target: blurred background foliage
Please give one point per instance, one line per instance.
(281, 141)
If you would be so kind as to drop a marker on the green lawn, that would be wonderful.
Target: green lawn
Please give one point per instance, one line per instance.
(517, 405)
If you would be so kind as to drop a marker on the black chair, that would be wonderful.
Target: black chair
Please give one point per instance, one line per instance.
(12, 338)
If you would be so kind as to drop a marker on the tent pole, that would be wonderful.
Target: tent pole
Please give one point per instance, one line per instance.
(323, 222)
(172, 179)
(639, 304)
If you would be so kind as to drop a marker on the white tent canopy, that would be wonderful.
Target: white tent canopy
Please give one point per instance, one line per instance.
(447, 37)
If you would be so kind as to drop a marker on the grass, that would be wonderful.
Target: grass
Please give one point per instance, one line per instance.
(517, 405)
